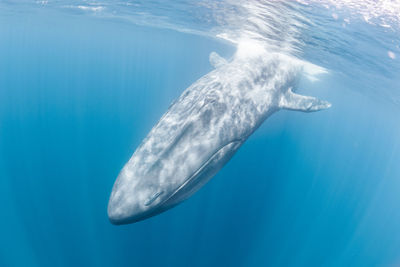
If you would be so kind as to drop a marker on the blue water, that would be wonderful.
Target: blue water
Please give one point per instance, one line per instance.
(78, 93)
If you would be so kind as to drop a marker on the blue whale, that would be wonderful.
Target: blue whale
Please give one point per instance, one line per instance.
(204, 128)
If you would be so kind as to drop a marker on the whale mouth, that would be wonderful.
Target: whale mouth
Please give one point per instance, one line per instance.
(118, 219)
(153, 198)
(152, 209)
(199, 177)
(154, 205)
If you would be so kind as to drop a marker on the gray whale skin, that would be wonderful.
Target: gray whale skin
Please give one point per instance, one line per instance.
(204, 128)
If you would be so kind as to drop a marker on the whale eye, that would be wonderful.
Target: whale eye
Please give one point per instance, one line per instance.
(153, 198)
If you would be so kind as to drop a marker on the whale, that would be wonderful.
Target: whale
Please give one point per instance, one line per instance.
(205, 127)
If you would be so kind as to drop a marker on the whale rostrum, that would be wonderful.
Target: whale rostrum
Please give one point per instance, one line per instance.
(204, 128)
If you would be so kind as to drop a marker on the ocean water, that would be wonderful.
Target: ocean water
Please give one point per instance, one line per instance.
(83, 82)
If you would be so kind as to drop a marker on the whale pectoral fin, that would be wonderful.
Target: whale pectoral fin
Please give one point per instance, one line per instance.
(303, 103)
(216, 60)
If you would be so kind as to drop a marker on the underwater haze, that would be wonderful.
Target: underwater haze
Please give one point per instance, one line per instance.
(82, 83)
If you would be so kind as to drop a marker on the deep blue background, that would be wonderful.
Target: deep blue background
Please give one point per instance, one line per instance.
(77, 95)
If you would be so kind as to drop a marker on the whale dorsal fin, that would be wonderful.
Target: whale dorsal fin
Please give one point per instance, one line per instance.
(216, 60)
(303, 103)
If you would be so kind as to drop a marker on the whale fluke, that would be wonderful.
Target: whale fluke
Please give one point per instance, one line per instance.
(216, 60)
(293, 101)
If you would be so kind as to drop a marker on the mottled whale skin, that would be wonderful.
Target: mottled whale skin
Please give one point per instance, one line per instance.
(204, 128)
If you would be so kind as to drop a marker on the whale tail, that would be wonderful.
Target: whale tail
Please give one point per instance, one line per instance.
(293, 101)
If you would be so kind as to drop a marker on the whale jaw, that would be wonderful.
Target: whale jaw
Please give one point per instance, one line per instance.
(121, 210)
(119, 219)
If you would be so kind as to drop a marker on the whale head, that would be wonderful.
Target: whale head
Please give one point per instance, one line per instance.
(162, 174)
(133, 198)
